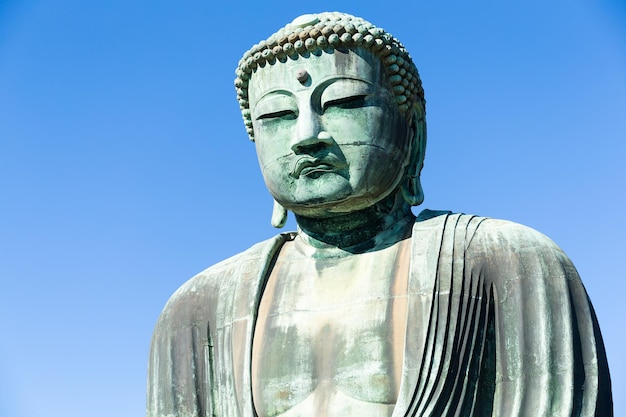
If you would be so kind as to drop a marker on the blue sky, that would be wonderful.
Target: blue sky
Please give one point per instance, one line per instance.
(125, 168)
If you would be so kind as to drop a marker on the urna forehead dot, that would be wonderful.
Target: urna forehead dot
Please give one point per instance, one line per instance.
(302, 75)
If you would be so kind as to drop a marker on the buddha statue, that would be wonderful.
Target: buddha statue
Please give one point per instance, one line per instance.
(369, 310)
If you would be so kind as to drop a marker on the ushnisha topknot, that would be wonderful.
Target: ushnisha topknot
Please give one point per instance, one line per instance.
(325, 32)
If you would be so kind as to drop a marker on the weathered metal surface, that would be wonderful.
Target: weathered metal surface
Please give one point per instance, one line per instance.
(367, 310)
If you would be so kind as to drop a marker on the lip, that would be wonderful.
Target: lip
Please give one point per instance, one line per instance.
(306, 166)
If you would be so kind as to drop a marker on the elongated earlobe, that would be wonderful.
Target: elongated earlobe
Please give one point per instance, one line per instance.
(412, 190)
(411, 186)
(279, 215)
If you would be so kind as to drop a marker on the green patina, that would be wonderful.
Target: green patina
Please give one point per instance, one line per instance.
(368, 310)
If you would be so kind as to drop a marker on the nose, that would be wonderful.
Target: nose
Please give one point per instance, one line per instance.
(309, 136)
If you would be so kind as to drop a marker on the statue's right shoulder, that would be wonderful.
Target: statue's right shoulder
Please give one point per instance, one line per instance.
(225, 276)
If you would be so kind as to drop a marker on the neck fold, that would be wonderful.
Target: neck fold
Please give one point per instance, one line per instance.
(373, 228)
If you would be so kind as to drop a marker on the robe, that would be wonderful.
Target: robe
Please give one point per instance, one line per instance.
(498, 324)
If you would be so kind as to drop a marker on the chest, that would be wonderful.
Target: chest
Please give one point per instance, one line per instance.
(330, 329)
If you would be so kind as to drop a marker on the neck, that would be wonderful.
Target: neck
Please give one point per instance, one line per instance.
(375, 227)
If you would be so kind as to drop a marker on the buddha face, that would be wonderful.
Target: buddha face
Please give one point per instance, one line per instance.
(329, 136)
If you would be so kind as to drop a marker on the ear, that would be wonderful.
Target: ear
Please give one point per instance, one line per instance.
(411, 186)
(279, 215)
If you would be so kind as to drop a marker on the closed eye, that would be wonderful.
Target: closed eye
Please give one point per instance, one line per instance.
(350, 102)
(282, 114)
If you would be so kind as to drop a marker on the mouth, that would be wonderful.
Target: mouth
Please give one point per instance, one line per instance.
(312, 167)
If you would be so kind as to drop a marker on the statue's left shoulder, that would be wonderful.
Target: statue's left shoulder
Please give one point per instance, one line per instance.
(505, 250)
(483, 236)
(508, 236)
(546, 334)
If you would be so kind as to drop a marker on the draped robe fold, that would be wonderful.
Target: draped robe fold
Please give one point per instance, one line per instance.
(498, 324)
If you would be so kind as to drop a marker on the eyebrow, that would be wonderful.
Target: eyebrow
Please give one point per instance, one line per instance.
(278, 91)
(326, 82)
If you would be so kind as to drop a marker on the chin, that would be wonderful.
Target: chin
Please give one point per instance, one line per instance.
(333, 196)
(326, 207)
(314, 194)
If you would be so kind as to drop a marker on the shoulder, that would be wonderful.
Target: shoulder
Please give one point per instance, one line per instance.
(496, 233)
(500, 248)
(225, 270)
(203, 290)
(504, 251)
(507, 238)
(486, 233)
